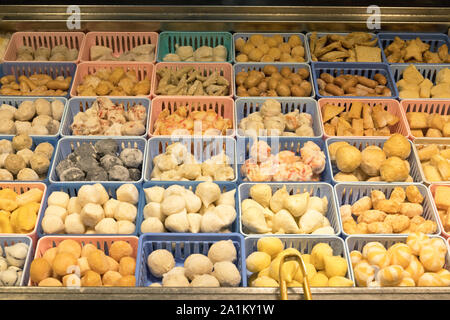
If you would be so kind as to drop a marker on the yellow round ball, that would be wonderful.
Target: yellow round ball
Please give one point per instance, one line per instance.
(257, 261)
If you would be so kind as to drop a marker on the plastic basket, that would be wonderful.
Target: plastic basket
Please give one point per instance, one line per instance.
(168, 39)
(79, 104)
(53, 69)
(19, 188)
(72, 191)
(429, 106)
(350, 193)
(304, 245)
(360, 144)
(245, 106)
(358, 243)
(191, 185)
(144, 70)
(422, 142)
(224, 107)
(390, 105)
(182, 246)
(354, 68)
(314, 189)
(202, 148)
(119, 42)
(278, 144)
(238, 67)
(102, 243)
(16, 101)
(435, 40)
(432, 189)
(67, 145)
(72, 40)
(285, 36)
(207, 68)
(321, 34)
(6, 241)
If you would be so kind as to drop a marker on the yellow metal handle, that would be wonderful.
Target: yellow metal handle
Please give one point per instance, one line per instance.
(283, 284)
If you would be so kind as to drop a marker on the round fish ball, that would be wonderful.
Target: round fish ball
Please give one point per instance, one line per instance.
(63, 263)
(173, 204)
(88, 194)
(127, 281)
(113, 265)
(87, 248)
(22, 127)
(39, 130)
(50, 282)
(6, 114)
(39, 163)
(56, 211)
(127, 266)
(119, 173)
(125, 211)
(42, 121)
(160, 262)
(223, 250)
(197, 264)
(71, 280)
(227, 274)
(83, 264)
(152, 225)
(107, 226)
(7, 127)
(22, 141)
(128, 193)
(3, 157)
(50, 255)
(43, 107)
(91, 214)
(91, 279)
(70, 246)
(205, 280)
(175, 280)
(45, 148)
(110, 207)
(98, 262)
(73, 224)
(103, 194)
(58, 198)
(154, 194)
(57, 109)
(40, 269)
(73, 206)
(110, 278)
(52, 224)
(153, 209)
(125, 227)
(26, 154)
(27, 174)
(6, 146)
(14, 163)
(6, 175)
(120, 249)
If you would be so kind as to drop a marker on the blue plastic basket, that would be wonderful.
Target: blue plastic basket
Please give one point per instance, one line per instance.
(285, 36)
(360, 144)
(79, 104)
(6, 241)
(183, 245)
(37, 140)
(245, 106)
(314, 189)
(72, 190)
(321, 34)
(192, 185)
(435, 40)
(278, 144)
(67, 145)
(355, 68)
(202, 148)
(52, 69)
(347, 193)
(16, 101)
(247, 66)
(168, 39)
(305, 245)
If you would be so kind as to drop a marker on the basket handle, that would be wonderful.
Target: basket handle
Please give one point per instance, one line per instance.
(283, 284)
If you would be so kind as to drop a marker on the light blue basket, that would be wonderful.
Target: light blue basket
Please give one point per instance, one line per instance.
(245, 106)
(183, 245)
(202, 148)
(67, 145)
(247, 66)
(278, 144)
(285, 36)
(16, 101)
(435, 40)
(360, 144)
(168, 39)
(305, 245)
(78, 104)
(354, 68)
(315, 189)
(191, 185)
(72, 190)
(6, 241)
(347, 193)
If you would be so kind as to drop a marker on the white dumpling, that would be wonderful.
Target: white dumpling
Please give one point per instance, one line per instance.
(173, 204)
(253, 219)
(284, 222)
(208, 192)
(195, 221)
(193, 202)
(128, 193)
(310, 221)
(226, 213)
(154, 194)
(177, 222)
(227, 198)
(152, 225)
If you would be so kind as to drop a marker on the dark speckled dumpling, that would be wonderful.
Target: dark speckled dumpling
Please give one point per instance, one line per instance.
(131, 157)
(106, 146)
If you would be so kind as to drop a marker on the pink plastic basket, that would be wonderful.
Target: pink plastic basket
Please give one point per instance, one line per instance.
(44, 39)
(101, 243)
(429, 106)
(19, 188)
(119, 42)
(223, 106)
(432, 188)
(390, 105)
(224, 69)
(144, 70)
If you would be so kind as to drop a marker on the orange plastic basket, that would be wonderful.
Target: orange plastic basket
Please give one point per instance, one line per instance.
(144, 70)
(101, 243)
(119, 42)
(19, 188)
(432, 188)
(73, 40)
(390, 105)
(429, 106)
(223, 106)
(224, 69)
